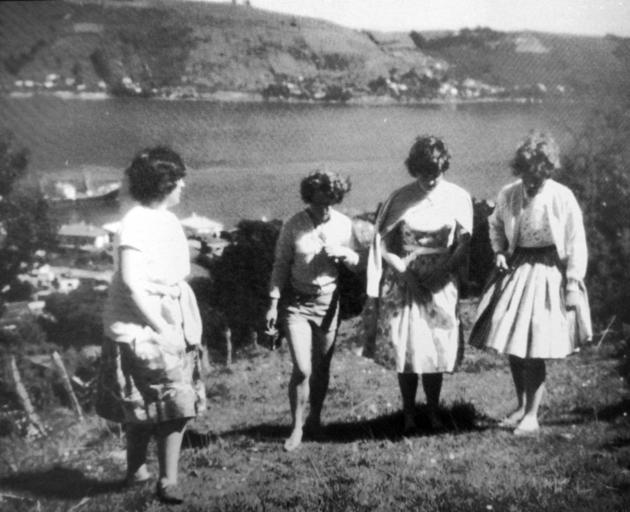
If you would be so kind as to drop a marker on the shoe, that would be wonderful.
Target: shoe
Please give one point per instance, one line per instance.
(527, 427)
(169, 493)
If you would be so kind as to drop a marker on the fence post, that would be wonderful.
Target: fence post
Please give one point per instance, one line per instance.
(61, 370)
(25, 401)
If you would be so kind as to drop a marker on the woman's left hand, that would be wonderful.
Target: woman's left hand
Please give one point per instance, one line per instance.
(572, 299)
(341, 253)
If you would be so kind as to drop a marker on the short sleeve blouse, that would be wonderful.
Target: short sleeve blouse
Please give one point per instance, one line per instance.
(159, 237)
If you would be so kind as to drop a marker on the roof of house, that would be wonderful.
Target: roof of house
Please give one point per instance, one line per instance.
(81, 229)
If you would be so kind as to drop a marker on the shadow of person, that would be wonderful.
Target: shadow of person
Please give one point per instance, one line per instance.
(58, 482)
(459, 418)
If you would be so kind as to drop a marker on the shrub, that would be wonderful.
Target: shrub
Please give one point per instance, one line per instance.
(77, 317)
(596, 169)
(240, 278)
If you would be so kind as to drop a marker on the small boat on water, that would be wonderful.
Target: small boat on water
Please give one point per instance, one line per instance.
(66, 193)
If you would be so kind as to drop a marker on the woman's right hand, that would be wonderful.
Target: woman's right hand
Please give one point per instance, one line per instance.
(500, 262)
(271, 317)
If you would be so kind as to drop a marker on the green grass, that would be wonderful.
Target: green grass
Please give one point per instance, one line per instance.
(233, 458)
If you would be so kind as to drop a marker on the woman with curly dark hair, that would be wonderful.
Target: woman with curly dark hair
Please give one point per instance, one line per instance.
(535, 306)
(418, 253)
(309, 249)
(150, 366)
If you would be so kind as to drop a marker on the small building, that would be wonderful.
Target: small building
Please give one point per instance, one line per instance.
(82, 236)
(197, 225)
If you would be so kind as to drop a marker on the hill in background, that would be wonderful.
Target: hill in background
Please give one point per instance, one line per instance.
(182, 49)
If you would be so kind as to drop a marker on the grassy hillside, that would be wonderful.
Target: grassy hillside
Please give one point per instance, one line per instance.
(148, 46)
(233, 458)
(214, 46)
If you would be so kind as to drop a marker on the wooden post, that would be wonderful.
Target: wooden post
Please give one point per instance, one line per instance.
(61, 370)
(25, 401)
(227, 332)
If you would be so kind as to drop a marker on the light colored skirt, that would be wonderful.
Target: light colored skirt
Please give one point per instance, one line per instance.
(417, 334)
(143, 383)
(523, 313)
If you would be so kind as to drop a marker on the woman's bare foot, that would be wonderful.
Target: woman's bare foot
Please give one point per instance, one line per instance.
(512, 419)
(527, 426)
(294, 440)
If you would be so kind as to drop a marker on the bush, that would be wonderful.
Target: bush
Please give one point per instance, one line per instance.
(240, 278)
(596, 169)
(77, 317)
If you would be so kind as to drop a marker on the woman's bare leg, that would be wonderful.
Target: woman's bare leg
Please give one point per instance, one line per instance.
(299, 337)
(169, 436)
(517, 367)
(534, 375)
(323, 349)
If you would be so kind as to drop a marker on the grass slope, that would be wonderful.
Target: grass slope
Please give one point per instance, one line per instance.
(233, 458)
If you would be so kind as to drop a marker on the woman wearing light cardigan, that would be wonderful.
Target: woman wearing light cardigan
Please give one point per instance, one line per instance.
(535, 306)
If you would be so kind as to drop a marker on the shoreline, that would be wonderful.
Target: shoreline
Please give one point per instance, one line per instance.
(255, 97)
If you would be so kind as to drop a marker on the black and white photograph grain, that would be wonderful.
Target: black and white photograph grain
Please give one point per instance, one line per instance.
(315, 255)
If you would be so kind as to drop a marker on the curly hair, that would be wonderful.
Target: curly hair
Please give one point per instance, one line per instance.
(538, 153)
(154, 173)
(428, 155)
(331, 184)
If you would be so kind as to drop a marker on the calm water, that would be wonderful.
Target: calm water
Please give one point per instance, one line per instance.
(246, 160)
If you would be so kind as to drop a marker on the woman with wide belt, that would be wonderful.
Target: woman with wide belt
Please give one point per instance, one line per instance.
(535, 306)
(418, 255)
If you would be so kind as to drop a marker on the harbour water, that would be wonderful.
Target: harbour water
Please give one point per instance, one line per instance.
(245, 160)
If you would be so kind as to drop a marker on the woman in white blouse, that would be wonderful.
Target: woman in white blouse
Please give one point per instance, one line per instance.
(419, 253)
(150, 377)
(535, 306)
(310, 246)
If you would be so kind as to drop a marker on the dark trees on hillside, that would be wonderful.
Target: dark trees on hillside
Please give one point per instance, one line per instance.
(25, 225)
(597, 169)
(240, 278)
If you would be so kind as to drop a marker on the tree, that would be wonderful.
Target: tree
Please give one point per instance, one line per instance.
(597, 169)
(240, 278)
(25, 224)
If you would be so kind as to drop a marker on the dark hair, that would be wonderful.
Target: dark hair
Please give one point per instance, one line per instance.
(329, 183)
(538, 153)
(154, 173)
(428, 155)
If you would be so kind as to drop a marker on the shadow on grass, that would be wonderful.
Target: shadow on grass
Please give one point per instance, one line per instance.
(459, 418)
(582, 415)
(59, 482)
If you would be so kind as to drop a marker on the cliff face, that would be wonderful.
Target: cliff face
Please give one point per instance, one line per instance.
(156, 47)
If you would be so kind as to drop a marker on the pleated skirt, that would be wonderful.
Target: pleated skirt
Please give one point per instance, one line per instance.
(523, 311)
